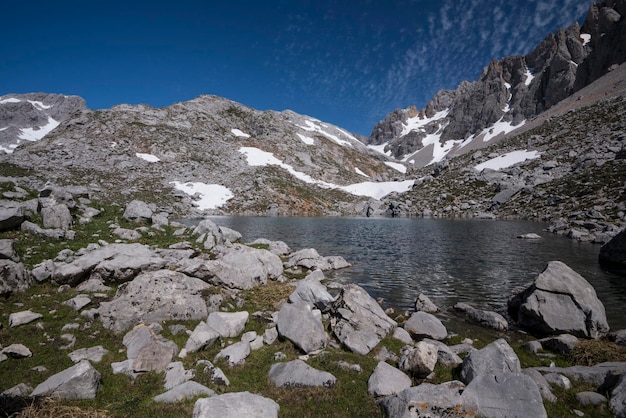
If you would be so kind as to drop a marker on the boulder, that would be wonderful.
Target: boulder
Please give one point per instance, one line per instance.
(56, 217)
(314, 293)
(557, 379)
(617, 404)
(93, 354)
(11, 215)
(618, 337)
(13, 277)
(43, 271)
(387, 380)
(228, 324)
(234, 354)
(24, 317)
(16, 351)
(424, 304)
(418, 359)
(78, 302)
(505, 395)
(614, 251)
(7, 250)
(297, 323)
(495, 358)
(402, 335)
(80, 381)
(562, 344)
(360, 323)
(590, 398)
(593, 375)
(235, 405)
(21, 390)
(216, 374)
(32, 228)
(445, 355)
(297, 373)
(422, 324)
(162, 295)
(486, 318)
(209, 234)
(544, 387)
(560, 301)
(202, 337)
(138, 211)
(146, 350)
(183, 391)
(115, 263)
(275, 247)
(430, 400)
(337, 262)
(175, 374)
(239, 267)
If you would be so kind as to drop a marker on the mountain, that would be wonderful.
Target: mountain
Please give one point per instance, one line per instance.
(509, 93)
(206, 153)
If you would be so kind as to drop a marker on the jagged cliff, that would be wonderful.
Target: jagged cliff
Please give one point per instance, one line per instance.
(509, 91)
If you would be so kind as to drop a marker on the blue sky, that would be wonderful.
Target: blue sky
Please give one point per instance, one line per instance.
(349, 63)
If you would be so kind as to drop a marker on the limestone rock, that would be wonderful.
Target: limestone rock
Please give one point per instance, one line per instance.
(16, 351)
(93, 354)
(422, 324)
(183, 391)
(157, 296)
(495, 358)
(418, 359)
(298, 373)
(13, 277)
(593, 375)
(147, 351)
(387, 380)
(445, 355)
(235, 354)
(275, 247)
(590, 398)
(360, 323)
(487, 318)
(424, 304)
(560, 301)
(7, 250)
(175, 374)
(21, 318)
(138, 211)
(562, 344)
(57, 217)
(202, 337)
(617, 404)
(80, 381)
(505, 395)
(78, 302)
(228, 324)
(544, 387)
(235, 405)
(313, 293)
(11, 215)
(298, 324)
(614, 251)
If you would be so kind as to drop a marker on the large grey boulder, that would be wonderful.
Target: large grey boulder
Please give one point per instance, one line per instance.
(146, 351)
(297, 323)
(544, 387)
(387, 380)
(56, 217)
(505, 395)
(202, 337)
(93, 354)
(7, 250)
(234, 354)
(162, 295)
(617, 404)
(24, 317)
(138, 211)
(239, 267)
(80, 381)
(275, 247)
(487, 318)
(560, 301)
(235, 405)
(183, 391)
(594, 375)
(175, 374)
(427, 400)
(314, 293)
(297, 373)
(360, 322)
(423, 324)
(13, 277)
(16, 350)
(308, 258)
(209, 234)
(116, 263)
(11, 215)
(445, 355)
(424, 304)
(228, 324)
(418, 359)
(495, 358)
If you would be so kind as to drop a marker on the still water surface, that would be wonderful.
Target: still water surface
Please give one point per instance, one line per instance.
(479, 262)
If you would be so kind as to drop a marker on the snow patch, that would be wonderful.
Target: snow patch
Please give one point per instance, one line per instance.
(148, 157)
(39, 105)
(2, 129)
(529, 77)
(508, 159)
(239, 133)
(500, 127)
(380, 149)
(396, 166)
(306, 139)
(311, 126)
(212, 196)
(260, 158)
(32, 134)
(417, 123)
(358, 171)
(10, 100)
(586, 37)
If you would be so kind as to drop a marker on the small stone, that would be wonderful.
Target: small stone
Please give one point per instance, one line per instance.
(17, 351)
(21, 318)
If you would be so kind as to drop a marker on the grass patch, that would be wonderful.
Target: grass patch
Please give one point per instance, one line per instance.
(591, 352)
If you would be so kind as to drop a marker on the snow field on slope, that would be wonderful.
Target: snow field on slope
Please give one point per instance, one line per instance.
(507, 160)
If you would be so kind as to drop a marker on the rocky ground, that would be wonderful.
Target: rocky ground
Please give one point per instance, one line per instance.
(126, 313)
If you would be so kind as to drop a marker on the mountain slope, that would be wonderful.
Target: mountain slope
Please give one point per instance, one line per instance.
(509, 92)
(211, 152)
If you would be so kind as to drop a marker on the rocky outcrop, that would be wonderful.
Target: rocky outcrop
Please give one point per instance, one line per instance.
(81, 381)
(560, 301)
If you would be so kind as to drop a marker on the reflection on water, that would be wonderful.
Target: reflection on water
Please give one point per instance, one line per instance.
(475, 261)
